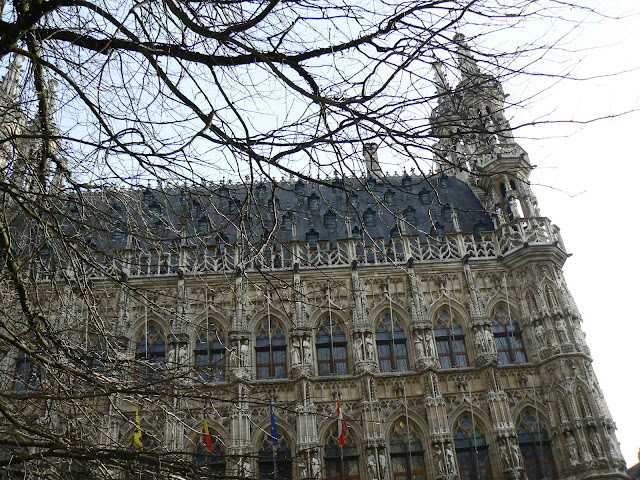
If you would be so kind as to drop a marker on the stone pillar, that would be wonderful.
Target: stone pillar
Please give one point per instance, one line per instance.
(240, 428)
(444, 458)
(306, 428)
(363, 336)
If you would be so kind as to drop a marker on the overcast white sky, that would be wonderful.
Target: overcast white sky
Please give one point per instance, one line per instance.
(588, 186)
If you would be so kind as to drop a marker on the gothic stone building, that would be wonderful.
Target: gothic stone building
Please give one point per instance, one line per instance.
(432, 307)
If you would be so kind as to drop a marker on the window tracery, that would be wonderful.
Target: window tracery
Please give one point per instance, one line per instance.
(150, 355)
(535, 446)
(472, 451)
(341, 463)
(210, 353)
(275, 461)
(331, 348)
(508, 338)
(407, 452)
(271, 351)
(450, 343)
(391, 342)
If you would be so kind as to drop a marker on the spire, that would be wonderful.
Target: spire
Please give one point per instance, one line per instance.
(442, 85)
(11, 81)
(466, 61)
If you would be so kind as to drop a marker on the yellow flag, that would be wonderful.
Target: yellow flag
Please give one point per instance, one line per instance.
(137, 435)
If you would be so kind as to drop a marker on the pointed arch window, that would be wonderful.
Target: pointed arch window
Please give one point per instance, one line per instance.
(472, 451)
(213, 462)
(271, 351)
(508, 338)
(275, 461)
(452, 350)
(341, 463)
(150, 355)
(331, 348)
(391, 342)
(535, 446)
(210, 354)
(407, 453)
(28, 375)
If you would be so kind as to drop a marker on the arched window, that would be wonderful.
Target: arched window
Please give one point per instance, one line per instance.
(391, 342)
(508, 338)
(535, 446)
(271, 351)
(213, 462)
(407, 453)
(341, 463)
(331, 347)
(28, 373)
(472, 451)
(278, 456)
(150, 355)
(450, 341)
(210, 353)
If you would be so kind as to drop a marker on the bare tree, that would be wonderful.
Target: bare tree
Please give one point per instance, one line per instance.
(149, 138)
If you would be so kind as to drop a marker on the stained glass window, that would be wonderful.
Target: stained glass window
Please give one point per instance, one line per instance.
(210, 354)
(472, 452)
(391, 342)
(150, 355)
(508, 338)
(331, 348)
(275, 461)
(452, 350)
(407, 453)
(271, 351)
(341, 463)
(535, 446)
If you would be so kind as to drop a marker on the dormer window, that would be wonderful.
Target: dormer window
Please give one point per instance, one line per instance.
(410, 215)
(287, 223)
(395, 232)
(330, 222)
(299, 187)
(369, 217)
(424, 196)
(371, 182)
(444, 180)
(261, 192)
(390, 198)
(312, 238)
(355, 231)
(314, 202)
(406, 180)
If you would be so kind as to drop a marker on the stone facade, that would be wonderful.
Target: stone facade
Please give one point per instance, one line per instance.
(455, 353)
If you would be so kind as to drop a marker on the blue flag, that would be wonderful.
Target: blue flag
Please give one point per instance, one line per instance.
(274, 432)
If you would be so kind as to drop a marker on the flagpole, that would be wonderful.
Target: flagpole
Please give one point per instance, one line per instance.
(274, 438)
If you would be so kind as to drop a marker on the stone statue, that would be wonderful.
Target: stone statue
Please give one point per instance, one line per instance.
(539, 331)
(438, 457)
(371, 466)
(303, 469)
(315, 466)
(611, 443)
(594, 442)
(572, 448)
(382, 460)
(244, 353)
(369, 342)
(480, 341)
(450, 458)
(306, 350)
(296, 352)
(183, 356)
(488, 339)
(561, 327)
(515, 454)
(505, 457)
(428, 340)
(358, 348)
(171, 354)
(244, 468)
(418, 342)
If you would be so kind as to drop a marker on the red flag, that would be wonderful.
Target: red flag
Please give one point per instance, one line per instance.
(342, 426)
(206, 437)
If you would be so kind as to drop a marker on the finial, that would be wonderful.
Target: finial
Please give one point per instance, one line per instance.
(442, 85)
(10, 82)
(466, 62)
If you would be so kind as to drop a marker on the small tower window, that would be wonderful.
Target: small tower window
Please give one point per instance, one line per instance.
(314, 202)
(424, 196)
(330, 220)
(312, 238)
(390, 198)
(299, 187)
(410, 215)
(369, 217)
